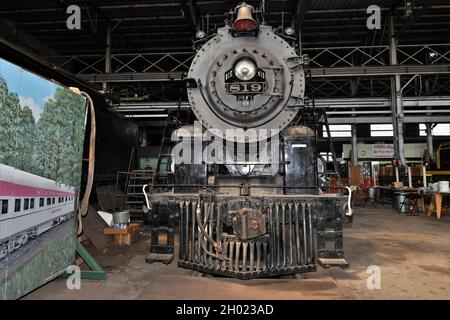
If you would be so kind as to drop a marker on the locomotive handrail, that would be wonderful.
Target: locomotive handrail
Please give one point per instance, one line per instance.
(348, 205)
(149, 207)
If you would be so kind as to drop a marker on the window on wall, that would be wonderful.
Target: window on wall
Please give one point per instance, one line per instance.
(338, 130)
(327, 156)
(381, 130)
(441, 129)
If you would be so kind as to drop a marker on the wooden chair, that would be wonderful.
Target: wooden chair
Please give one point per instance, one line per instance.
(359, 197)
(411, 203)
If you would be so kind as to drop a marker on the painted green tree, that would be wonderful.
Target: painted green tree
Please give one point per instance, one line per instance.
(17, 131)
(26, 142)
(60, 133)
(51, 148)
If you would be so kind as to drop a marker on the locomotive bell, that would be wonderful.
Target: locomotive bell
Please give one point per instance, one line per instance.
(244, 20)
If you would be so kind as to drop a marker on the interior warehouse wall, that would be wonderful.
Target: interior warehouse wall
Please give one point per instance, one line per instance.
(115, 140)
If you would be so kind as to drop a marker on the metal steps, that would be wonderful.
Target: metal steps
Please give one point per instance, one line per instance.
(133, 197)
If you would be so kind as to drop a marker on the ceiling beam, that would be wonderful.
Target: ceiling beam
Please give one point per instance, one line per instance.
(93, 31)
(377, 120)
(11, 33)
(133, 77)
(379, 70)
(315, 73)
(17, 54)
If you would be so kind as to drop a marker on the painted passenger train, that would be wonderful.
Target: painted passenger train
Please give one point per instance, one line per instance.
(29, 206)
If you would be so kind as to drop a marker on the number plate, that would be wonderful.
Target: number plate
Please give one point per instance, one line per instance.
(246, 88)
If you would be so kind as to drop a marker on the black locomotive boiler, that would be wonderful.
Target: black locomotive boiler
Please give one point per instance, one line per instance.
(245, 194)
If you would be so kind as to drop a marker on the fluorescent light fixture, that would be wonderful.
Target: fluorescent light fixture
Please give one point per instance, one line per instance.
(146, 115)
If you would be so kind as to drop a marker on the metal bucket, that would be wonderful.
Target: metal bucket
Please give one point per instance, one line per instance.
(372, 194)
(121, 217)
(444, 186)
(399, 198)
(435, 187)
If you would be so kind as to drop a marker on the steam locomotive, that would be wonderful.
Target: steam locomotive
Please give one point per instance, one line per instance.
(245, 192)
(29, 206)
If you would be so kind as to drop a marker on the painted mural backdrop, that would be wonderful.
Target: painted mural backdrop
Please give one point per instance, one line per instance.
(41, 143)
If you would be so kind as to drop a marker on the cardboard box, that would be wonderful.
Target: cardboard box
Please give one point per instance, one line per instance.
(124, 236)
(397, 185)
(126, 239)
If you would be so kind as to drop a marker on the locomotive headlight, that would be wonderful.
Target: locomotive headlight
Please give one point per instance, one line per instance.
(245, 69)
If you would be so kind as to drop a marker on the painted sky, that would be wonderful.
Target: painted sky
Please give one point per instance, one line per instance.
(33, 91)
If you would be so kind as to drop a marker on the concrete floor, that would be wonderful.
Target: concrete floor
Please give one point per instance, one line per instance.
(413, 254)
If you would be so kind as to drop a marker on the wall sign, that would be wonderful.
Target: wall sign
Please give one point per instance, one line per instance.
(380, 151)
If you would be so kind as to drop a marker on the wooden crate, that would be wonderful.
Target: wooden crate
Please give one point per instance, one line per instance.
(124, 236)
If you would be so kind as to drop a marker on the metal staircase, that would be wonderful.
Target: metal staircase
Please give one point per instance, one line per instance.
(162, 175)
(134, 197)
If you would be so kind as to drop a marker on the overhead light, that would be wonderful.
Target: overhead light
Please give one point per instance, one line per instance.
(200, 34)
(433, 55)
(289, 31)
(245, 69)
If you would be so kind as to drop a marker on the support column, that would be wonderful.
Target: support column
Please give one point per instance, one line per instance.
(396, 98)
(354, 145)
(107, 55)
(300, 44)
(429, 132)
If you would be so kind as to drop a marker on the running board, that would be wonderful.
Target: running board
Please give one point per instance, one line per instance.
(165, 258)
(327, 263)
